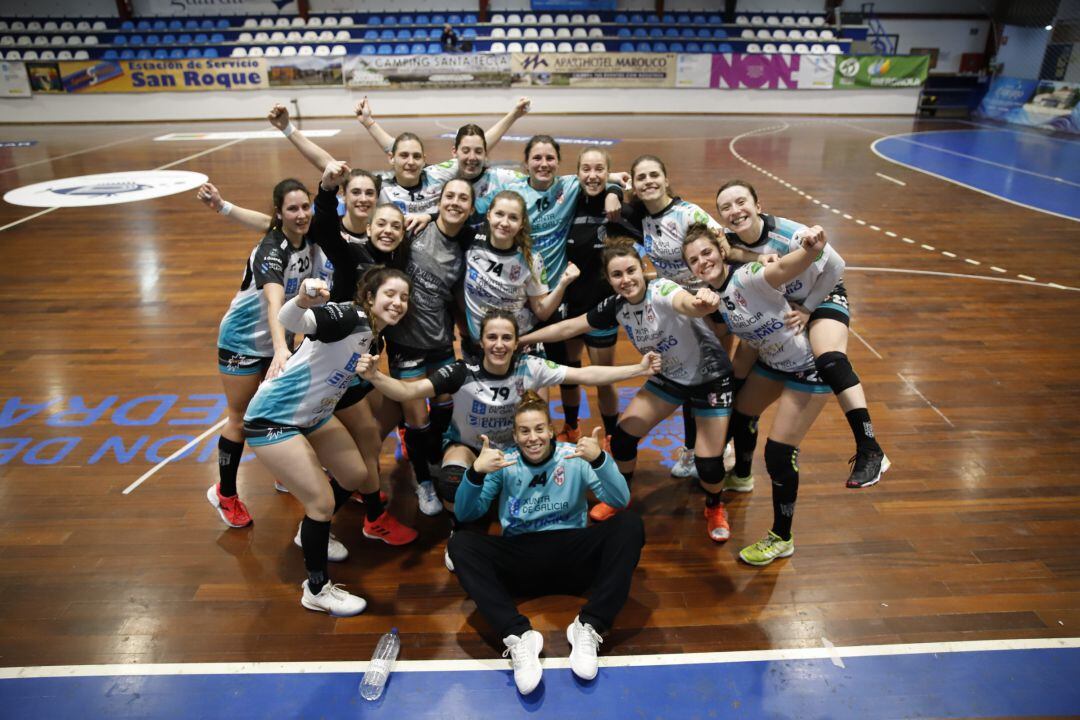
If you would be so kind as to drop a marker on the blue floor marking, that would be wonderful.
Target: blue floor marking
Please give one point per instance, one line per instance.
(1016, 167)
(947, 684)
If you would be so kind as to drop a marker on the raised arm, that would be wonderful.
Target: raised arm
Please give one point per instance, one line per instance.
(393, 388)
(609, 374)
(832, 271)
(211, 198)
(279, 118)
(380, 136)
(495, 132)
(700, 304)
(564, 330)
(544, 305)
(795, 263)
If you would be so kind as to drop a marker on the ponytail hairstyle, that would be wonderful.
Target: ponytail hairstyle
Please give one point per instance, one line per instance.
(404, 137)
(471, 129)
(531, 400)
(357, 172)
(282, 189)
(369, 284)
(523, 239)
(699, 231)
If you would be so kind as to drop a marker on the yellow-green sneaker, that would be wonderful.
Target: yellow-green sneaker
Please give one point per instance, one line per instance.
(767, 549)
(734, 483)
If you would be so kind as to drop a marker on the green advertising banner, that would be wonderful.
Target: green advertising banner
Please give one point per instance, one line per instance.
(880, 71)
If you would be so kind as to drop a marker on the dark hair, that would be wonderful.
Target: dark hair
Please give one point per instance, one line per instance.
(699, 231)
(471, 129)
(537, 139)
(370, 282)
(404, 137)
(643, 158)
(388, 206)
(472, 192)
(357, 172)
(499, 314)
(523, 239)
(598, 149)
(738, 183)
(615, 246)
(531, 400)
(282, 189)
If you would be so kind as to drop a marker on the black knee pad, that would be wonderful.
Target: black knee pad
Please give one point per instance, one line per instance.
(836, 370)
(624, 445)
(710, 469)
(782, 461)
(449, 480)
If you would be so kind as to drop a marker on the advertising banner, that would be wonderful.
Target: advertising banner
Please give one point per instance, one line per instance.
(163, 75)
(1052, 105)
(772, 72)
(14, 82)
(1005, 94)
(879, 71)
(408, 72)
(305, 71)
(611, 70)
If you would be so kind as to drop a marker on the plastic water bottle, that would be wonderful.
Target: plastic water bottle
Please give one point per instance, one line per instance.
(382, 662)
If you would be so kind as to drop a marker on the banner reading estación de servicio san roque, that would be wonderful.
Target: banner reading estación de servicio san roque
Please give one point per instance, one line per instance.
(164, 75)
(881, 71)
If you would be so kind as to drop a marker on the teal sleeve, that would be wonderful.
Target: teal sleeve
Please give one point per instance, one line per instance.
(471, 501)
(607, 484)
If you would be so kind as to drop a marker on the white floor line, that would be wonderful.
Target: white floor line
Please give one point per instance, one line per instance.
(987, 278)
(149, 473)
(274, 668)
(28, 217)
(911, 386)
(77, 152)
(863, 341)
(891, 179)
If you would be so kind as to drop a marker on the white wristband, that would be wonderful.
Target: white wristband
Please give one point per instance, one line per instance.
(226, 208)
(289, 129)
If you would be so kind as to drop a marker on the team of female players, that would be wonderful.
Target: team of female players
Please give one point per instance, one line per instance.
(531, 268)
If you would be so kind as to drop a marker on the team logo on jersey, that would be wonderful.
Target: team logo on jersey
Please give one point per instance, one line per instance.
(515, 273)
(105, 189)
(292, 286)
(650, 314)
(741, 300)
(479, 408)
(351, 365)
(559, 476)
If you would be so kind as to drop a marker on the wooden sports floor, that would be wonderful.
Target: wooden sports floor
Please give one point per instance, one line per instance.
(971, 372)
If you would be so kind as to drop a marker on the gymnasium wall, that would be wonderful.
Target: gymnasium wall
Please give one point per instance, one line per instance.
(952, 38)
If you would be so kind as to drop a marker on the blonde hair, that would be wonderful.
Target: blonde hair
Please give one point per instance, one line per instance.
(523, 239)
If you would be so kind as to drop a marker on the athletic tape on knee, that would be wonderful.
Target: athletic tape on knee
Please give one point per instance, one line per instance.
(624, 445)
(836, 370)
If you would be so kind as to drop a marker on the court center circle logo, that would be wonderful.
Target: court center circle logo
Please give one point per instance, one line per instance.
(105, 189)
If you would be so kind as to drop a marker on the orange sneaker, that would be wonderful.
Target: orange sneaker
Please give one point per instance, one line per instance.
(602, 511)
(568, 434)
(358, 497)
(389, 529)
(231, 509)
(719, 530)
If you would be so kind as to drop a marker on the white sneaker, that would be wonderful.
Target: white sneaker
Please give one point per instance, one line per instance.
(335, 549)
(524, 655)
(584, 642)
(429, 502)
(446, 555)
(280, 488)
(684, 464)
(729, 456)
(332, 599)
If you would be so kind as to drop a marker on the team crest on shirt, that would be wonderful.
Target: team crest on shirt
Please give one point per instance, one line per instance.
(650, 314)
(559, 476)
(515, 273)
(741, 300)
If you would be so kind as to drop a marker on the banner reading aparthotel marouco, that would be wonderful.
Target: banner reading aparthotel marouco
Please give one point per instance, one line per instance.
(408, 72)
(163, 75)
(612, 70)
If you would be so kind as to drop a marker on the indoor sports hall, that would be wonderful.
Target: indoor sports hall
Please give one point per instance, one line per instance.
(951, 588)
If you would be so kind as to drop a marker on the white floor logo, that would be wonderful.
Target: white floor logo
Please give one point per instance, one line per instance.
(105, 189)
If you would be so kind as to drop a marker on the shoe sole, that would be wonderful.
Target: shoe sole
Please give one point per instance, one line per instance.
(211, 496)
(787, 553)
(369, 536)
(570, 639)
(737, 488)
(448, 562)
(316, 608)
(885, 465)
(683, 473)
(720, 541)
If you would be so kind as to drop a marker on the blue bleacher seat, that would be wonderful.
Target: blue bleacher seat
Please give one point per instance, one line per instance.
(191, 25)
(161, 54)
(699, 20)
(389, 20)
(670, 32)
(725, 48)
(653, 19)
(401, 49)
(719, 33)
(469, 34)
(406, 20)
(374, 20)
(709, 47)
(386, 49)
(206, 25)
(704, 33)
(209, 53)
(420, 34)
(404, 34)
(367, 50)
(470, 19)
(222, 24)
(110, 55)
(119, 40)
(423, 19)
(636, 19)
(667, 19)
(683, 20)
(127, 26)
(643, 47)
(656, 32)
(454, 19)
(687, 33)
(660, 46)
(136, 40)
(435, 34)
(387, 34)
(153, 40)
(370, 34)
(217, 38)
(418, 49)
(194, 53)
(438, 19)
(715, 20)
(177, 54)
(184, 39)
(168, 40)
(622, 19)
(160, 25)
(640, 32)
(127, 54)
(434, 48)
(676, 47)
(626, 47)
(201, 38)
(143, 25)
(175, 25)
(623, 32)
(693, 47)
